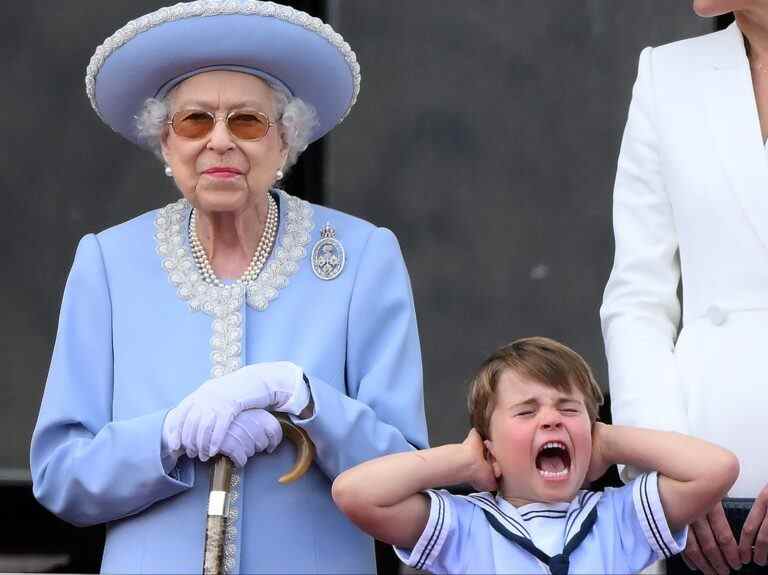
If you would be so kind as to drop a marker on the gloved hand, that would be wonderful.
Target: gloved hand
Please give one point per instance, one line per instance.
(253, 431)
(200, 422)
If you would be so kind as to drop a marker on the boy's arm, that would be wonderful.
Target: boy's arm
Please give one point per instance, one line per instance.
(383, 496)
(694, 474)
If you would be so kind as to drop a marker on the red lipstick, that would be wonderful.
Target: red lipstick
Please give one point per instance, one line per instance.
(222, 172)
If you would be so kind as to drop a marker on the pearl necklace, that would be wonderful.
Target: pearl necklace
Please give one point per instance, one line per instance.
(259, 256)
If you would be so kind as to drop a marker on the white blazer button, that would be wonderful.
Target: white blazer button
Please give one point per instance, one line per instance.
(716, 315)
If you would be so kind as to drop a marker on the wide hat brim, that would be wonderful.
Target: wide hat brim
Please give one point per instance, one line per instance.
(304, 54)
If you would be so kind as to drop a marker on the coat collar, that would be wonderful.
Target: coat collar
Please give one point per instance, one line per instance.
(735, 126)
(727, 49)
(171, 230)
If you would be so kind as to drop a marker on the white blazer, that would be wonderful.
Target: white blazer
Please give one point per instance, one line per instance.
(691, 200)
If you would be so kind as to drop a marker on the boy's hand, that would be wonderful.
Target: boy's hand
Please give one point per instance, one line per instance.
(599, 461)
(481, 475)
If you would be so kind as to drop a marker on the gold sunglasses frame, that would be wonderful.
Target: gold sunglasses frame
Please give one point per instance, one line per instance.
(225, 119)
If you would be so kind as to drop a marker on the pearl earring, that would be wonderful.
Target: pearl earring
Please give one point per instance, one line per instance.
(168, 171)
(279, 174)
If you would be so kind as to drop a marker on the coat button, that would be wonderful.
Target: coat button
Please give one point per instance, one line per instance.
(716, 315)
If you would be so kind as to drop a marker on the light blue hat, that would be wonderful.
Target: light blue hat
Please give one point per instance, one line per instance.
(291, 49)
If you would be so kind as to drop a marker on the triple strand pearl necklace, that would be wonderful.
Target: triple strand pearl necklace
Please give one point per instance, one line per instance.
(259, 257)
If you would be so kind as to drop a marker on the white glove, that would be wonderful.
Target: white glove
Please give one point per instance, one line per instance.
(199, 423)
(253, 431)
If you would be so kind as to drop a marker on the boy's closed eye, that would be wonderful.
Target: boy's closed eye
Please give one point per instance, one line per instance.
(571, 409)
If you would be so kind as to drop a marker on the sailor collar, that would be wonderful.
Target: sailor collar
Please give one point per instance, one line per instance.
(510, 517)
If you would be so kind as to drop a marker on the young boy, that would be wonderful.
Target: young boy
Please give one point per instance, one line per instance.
(534, 443)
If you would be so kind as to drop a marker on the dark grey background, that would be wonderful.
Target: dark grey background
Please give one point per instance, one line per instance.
(485, 137)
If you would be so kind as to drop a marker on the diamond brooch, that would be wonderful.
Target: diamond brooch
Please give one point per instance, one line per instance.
(328, 255)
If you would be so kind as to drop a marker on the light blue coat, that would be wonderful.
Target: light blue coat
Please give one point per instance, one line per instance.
(132, 344)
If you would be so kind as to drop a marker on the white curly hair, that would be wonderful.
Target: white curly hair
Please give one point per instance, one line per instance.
(296, 120)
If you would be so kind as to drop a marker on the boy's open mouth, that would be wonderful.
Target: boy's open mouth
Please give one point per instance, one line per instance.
(553, 460)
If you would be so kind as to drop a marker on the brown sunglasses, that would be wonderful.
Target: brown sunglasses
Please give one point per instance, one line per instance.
(242, 124)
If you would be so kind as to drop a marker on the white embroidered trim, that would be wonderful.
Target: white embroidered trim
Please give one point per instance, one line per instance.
(200, 8)
(221, 302)
(224, 303)
(296, 227)
(232, 534)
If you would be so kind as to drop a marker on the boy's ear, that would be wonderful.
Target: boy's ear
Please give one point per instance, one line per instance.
(490, 455)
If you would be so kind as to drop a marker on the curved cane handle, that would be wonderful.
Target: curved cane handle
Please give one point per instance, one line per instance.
(304, 447)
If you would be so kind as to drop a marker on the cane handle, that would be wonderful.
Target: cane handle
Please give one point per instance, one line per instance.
(305, 449)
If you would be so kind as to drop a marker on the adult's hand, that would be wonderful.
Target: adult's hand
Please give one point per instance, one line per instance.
(753, 544)
(199, 423)
(253, 431)
(278, 385)
(711, 546)
(188, 427)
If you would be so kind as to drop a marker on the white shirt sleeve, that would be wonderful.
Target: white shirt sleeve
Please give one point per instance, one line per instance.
(439, 548)
(642, 531)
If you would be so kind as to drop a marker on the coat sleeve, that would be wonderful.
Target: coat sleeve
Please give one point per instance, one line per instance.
(640, 311)
(87, 468)
(383, 409)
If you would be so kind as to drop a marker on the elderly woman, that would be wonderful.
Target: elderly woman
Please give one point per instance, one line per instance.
(183, 330)
(691, 207)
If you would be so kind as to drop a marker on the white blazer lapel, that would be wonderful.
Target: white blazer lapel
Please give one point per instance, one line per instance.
(733, 118)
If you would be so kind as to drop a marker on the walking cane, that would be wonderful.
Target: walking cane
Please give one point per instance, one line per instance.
(213, 559)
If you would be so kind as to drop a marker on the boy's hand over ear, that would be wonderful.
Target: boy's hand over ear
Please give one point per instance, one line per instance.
(600, 460)
(482, 476)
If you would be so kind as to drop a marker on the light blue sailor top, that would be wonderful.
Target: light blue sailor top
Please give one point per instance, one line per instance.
(629, 534)
(139, 330)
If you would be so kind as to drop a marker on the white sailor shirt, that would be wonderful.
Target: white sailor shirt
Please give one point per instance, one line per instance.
(630, 532)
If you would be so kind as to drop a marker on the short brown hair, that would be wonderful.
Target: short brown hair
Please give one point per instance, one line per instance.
(539, 358)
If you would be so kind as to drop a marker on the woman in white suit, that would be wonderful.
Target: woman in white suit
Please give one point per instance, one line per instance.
(691, 204)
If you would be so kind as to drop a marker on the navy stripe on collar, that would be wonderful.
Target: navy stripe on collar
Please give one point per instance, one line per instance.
(546, 514)
(495, 508)
(584, 507)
